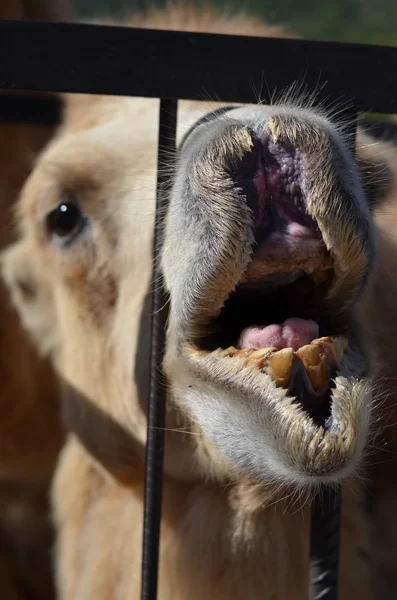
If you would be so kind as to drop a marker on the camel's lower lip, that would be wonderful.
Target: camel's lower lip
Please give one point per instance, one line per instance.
(305, 373)
(261, 428)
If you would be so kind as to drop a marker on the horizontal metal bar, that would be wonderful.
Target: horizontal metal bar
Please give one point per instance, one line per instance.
(30, 109)
(134, 62)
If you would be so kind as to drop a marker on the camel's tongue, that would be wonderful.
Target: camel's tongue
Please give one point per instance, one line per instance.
(293, 333)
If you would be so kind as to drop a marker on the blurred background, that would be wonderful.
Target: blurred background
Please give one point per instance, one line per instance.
(365, 21)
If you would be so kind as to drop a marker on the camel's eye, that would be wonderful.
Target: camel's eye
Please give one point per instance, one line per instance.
(66, 220)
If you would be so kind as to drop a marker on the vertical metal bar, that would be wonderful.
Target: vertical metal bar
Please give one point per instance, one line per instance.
(326, 508)
(156, 405)
(325, 538)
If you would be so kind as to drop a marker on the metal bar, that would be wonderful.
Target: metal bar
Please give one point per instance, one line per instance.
(103, 60)
(326, 509)
(30, 108)
(325, 538)
(157, 393)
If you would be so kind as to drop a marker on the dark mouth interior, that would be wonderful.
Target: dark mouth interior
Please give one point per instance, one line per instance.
(274, 300)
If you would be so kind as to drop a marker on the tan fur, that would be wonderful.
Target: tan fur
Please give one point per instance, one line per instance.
(30, 429)
(225, 535)
(380, 311)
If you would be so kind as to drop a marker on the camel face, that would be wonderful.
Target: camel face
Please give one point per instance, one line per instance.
(268, 246)
(82, 266)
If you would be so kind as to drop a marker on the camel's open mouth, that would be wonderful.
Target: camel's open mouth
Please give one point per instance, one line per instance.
(252, 326)
(268, 246)
(277, 318)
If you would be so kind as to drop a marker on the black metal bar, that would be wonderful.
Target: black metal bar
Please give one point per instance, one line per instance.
(326, 509)
(325, 538)
(156, 406)
(135, 62)
(30, 109)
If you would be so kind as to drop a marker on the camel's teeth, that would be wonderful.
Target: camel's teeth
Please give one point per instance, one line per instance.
(315, 360)
(334, 347)
(279, 366)
(228, 351)
(315, 357)
(243, 352)
(259, 357)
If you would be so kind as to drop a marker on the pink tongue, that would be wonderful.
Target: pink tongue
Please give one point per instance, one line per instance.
(293, 333)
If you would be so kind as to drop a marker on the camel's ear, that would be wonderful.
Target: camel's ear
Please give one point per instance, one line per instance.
(377, 160)
(31, 295)
(42, 10)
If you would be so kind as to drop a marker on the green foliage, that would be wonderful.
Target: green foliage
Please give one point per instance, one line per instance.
(365, 21)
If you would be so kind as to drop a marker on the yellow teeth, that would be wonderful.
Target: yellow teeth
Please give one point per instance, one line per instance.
(334, 347)
(260, 357)
(228, 352)
(316, 358)
(280, 366)
(315, 361)
(257, 357)
(243, 353)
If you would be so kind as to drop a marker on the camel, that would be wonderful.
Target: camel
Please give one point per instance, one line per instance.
(278, 260)
(30, 429)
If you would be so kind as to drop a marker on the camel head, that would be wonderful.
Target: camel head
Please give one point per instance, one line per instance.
(268, 247)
